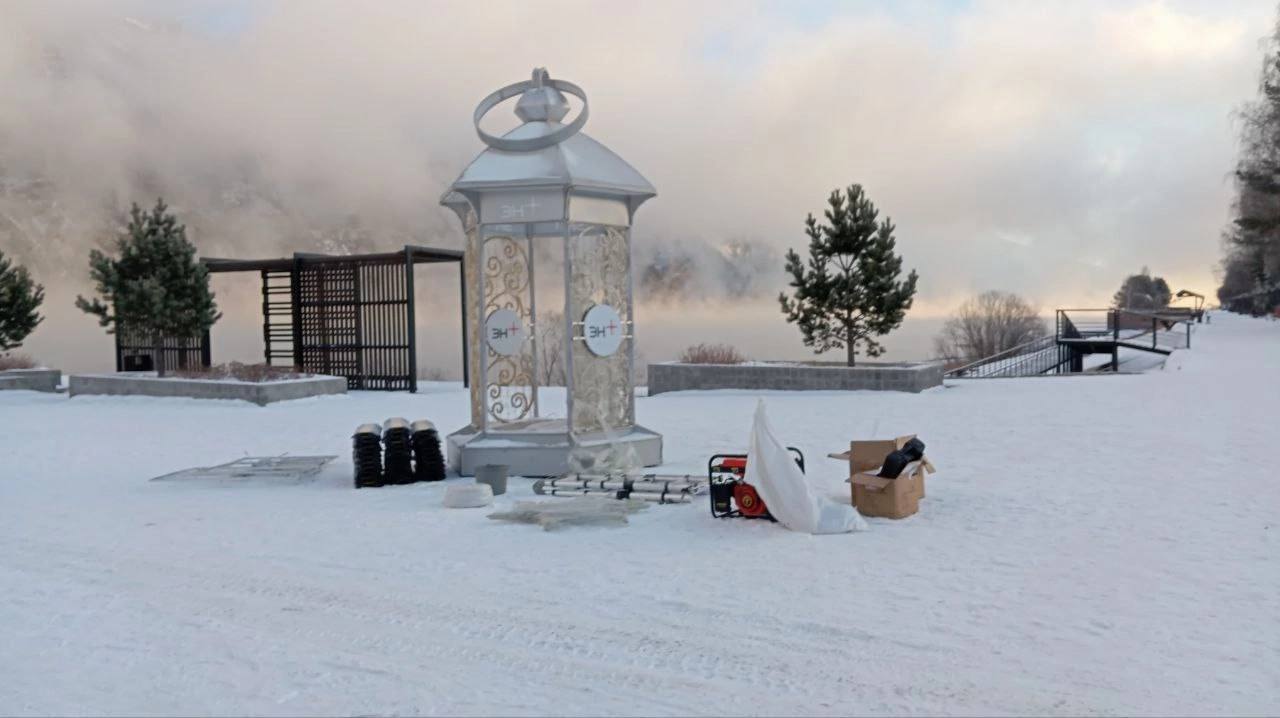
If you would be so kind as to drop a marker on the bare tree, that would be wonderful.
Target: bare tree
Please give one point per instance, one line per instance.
(988, 324)
(711, 354)
(550, 338)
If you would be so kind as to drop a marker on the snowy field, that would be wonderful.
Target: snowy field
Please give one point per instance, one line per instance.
(1102, 544)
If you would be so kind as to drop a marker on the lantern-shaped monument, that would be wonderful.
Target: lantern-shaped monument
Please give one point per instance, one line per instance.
(547, 213)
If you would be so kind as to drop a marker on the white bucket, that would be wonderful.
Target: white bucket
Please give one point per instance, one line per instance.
(467, 496)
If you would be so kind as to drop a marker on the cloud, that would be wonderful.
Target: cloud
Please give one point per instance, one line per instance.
(1008, 141)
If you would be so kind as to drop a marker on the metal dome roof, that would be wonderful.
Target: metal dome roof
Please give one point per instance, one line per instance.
(542, 152)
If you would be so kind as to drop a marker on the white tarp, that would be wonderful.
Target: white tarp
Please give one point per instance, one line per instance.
(772, 470)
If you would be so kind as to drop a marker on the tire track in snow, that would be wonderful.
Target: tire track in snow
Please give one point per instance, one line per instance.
(396, 634)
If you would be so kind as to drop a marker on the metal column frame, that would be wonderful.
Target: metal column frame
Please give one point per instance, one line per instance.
(631, 320)
(466, 350)
(483, 344)
(568, 329)
(533, 320)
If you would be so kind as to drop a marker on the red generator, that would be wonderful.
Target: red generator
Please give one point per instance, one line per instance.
(732, 496)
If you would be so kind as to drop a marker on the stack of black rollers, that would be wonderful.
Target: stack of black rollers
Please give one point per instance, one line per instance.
(366, 455)
(428, 462)
(396, 452)
(397, 457)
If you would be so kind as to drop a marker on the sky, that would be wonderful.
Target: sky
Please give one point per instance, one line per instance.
(1044, 148)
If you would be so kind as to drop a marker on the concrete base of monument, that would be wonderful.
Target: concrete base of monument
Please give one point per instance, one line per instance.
(542, 449)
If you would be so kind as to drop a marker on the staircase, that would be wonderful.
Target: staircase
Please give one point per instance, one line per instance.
(1079, 333)
(1038, 356)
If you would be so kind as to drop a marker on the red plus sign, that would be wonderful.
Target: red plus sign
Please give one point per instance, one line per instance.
(612, 326)
(514, 328)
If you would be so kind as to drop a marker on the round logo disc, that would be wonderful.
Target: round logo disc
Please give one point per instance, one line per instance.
(504, 332)
(602, 328)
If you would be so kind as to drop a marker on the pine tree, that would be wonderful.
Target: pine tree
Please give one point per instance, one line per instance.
(155, 286)
(1253, 239)
(848, 292)
(19, 299)
(1143, 292)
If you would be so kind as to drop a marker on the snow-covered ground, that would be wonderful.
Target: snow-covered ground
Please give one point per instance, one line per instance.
(1101, 544)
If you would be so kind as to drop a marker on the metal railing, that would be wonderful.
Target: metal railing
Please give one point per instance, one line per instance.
(1150, 331)
(1083, 323)
(1042, 355)
(1078, 332)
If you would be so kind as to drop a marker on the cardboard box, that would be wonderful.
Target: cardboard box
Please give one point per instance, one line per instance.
(889, 498)
(876, 496)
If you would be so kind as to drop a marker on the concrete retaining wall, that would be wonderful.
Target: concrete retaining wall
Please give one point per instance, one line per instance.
(913, 377)
(30, 379)
(259, 393)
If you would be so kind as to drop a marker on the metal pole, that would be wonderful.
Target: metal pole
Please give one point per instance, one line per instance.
(413, 328)
(295, 299)
(266, 320)
(631, 343)
(482, 345)
(462, 285)
(568, 331)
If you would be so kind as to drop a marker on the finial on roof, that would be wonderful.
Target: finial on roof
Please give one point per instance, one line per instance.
(542, 102)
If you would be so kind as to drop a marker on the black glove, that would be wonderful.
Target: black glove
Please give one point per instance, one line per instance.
(897, 460)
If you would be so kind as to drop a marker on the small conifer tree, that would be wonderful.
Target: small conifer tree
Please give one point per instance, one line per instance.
(848, 292)
(154, 286)
(1143, 292)
(19, 299)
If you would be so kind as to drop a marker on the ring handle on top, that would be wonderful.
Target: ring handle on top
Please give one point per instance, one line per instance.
(529, 144)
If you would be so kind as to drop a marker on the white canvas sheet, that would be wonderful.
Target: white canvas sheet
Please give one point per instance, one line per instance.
(772, 470)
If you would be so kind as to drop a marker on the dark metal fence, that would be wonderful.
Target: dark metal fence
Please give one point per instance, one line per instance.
(354, 318)
(137, 352)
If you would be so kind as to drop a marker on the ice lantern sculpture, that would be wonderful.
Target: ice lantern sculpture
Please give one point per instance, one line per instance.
(547, 196)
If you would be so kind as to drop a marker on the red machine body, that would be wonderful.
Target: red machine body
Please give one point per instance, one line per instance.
(731, 495)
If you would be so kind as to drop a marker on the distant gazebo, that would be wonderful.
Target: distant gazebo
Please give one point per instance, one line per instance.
(349, 315)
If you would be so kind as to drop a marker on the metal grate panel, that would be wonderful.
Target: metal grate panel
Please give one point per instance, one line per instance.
(353, 319)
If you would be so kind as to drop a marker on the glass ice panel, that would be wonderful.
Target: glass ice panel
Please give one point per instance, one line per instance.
(598, 210)
(600, 261)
